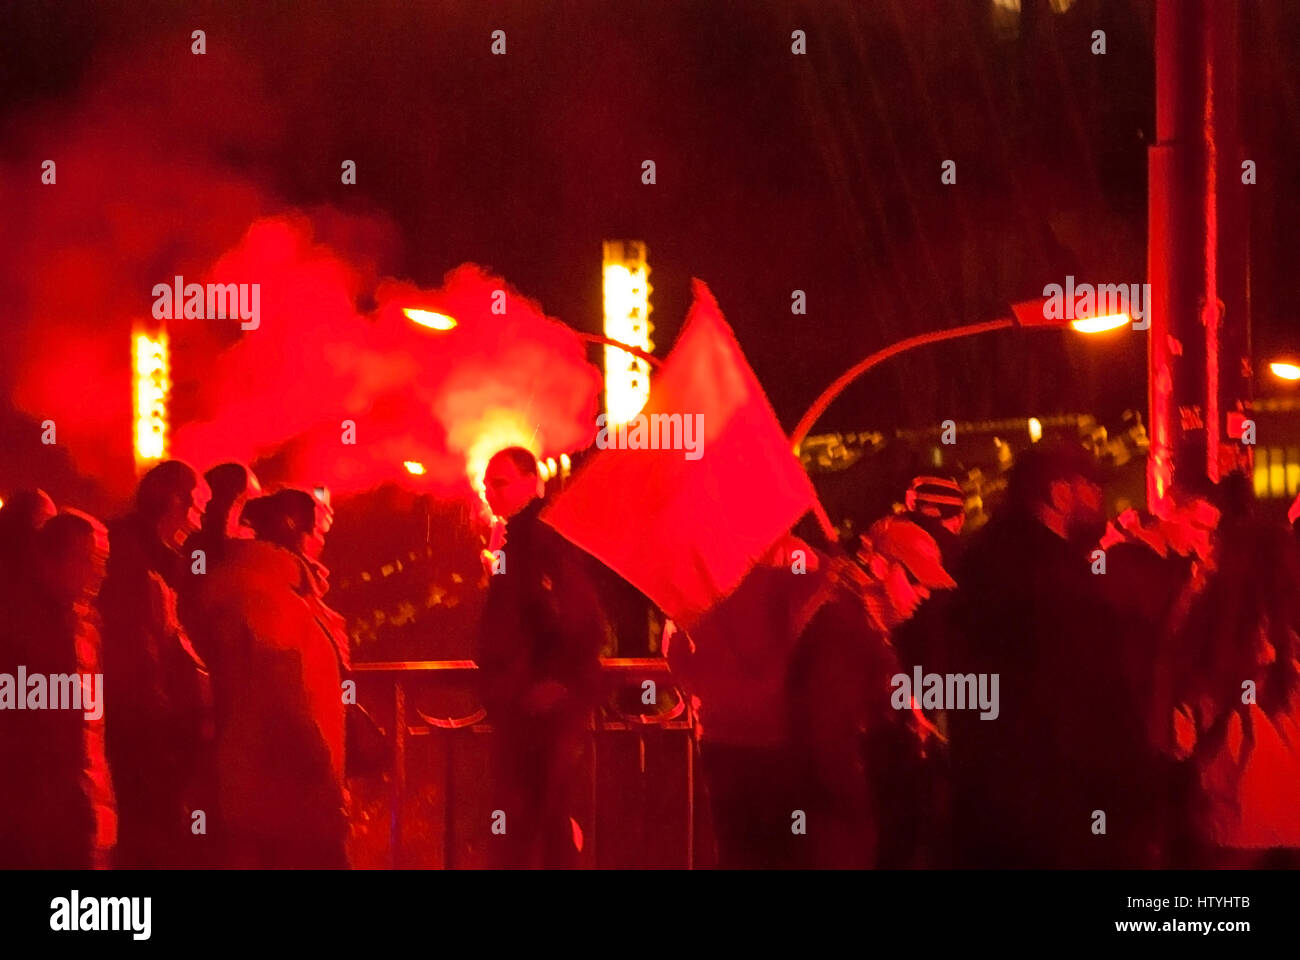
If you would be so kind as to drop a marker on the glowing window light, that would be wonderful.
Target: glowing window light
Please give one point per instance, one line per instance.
(627, 320)
(1261, 472)
(152, 385)
(427, 318)
(1100, 324)
(1287, 371)
(1276, 472)
(414, 467)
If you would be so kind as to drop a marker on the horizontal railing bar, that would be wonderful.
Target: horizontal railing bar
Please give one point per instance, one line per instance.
(608, 664)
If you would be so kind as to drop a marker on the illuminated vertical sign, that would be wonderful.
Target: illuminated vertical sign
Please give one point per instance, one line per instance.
(152, 385)
(627, 320)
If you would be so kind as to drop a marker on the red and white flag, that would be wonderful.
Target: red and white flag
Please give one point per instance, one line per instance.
(686, 531)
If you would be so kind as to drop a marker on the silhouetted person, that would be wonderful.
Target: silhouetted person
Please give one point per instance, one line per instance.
(736, 661)
(867, 754)
(1070, 744)
(21, 518)
(541, 636)
(938, 506)
(232, 486)
(1236, 679)
(278, 695)
(800, 747)
(158, 712)
(1154, 567)
(57, 807)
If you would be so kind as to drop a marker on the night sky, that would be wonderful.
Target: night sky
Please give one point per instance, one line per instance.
(775, 172)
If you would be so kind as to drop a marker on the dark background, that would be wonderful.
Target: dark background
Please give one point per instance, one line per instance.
(775, 172)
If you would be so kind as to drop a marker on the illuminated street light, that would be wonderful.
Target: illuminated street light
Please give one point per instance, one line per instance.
(414, 467)
(152, 385)
(1101, 324)
(1284, 370)
(428, 318)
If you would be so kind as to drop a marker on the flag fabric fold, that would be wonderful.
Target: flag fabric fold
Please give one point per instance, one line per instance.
(686, 531)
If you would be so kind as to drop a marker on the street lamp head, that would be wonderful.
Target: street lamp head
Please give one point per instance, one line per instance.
(1100, 324)
(1285, 370)
(427, 318)
(1033, 313)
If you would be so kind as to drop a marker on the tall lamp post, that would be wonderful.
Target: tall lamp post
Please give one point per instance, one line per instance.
(1199, 372)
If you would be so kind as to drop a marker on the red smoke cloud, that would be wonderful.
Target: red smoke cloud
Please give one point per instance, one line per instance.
(288, 388)
(149, 186)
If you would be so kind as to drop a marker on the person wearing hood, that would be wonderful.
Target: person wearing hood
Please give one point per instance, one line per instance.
(278, 696)
(1065, 776)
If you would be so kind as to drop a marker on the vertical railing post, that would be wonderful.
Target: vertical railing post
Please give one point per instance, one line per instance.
(398, 792)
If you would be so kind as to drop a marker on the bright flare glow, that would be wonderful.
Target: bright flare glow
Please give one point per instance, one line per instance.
(1035, 429)
(414, 466)
(427, 318)
(1287, 371)
(1098, 324)
(152, 385)
(491, 434)
(627, 320)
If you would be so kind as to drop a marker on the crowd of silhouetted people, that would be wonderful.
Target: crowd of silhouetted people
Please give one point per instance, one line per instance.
(1056, 690)
(217, 736)
(1145, 711)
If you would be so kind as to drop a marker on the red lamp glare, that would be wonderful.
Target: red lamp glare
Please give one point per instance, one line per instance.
(427, 318)
(414, 466)
(1287, 371)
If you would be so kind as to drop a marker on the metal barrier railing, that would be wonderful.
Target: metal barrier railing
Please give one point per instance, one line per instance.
(614, 669)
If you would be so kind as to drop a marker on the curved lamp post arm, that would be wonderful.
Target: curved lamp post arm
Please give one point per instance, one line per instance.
(610, 342)
(858, 369)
